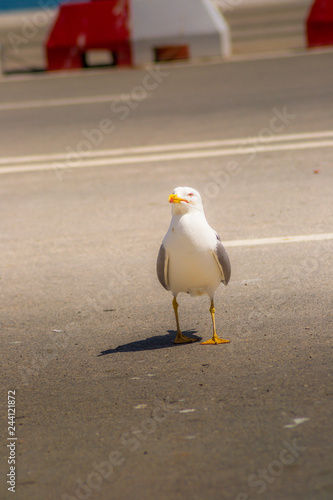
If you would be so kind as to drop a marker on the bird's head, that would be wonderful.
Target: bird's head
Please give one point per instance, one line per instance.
(184, 200)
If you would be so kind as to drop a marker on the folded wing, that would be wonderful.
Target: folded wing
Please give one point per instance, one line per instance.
(222, 260)
(162, 267)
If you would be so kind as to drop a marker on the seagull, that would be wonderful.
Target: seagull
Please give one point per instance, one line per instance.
(192, 258)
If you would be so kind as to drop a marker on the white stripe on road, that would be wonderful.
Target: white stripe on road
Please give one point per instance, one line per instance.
(241, 142)
(276, 240)
(121, 160)
(70, 101)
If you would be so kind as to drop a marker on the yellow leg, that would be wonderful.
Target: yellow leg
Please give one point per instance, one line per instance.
(180, 338)
(215, 339)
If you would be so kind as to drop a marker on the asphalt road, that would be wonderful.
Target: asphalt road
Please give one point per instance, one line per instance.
(106, 406)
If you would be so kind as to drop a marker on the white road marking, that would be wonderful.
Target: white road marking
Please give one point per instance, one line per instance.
(69, 101)
(55, 75)
(297, 421)
(202, 150)
(279, 239)
(243, 141)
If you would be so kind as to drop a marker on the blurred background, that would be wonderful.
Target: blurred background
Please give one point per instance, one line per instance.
(256, 26)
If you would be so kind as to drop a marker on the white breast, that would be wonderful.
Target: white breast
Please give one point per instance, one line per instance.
(190, 243)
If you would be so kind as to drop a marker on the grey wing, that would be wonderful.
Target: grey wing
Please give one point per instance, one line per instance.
(162, 267)
(222, 260)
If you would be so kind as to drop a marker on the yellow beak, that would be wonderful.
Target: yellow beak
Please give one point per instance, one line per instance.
(173, 198)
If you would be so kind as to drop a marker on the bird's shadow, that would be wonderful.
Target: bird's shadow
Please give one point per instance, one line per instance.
(151, 343)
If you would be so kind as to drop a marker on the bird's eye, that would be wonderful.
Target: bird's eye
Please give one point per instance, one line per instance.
(190, 194)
